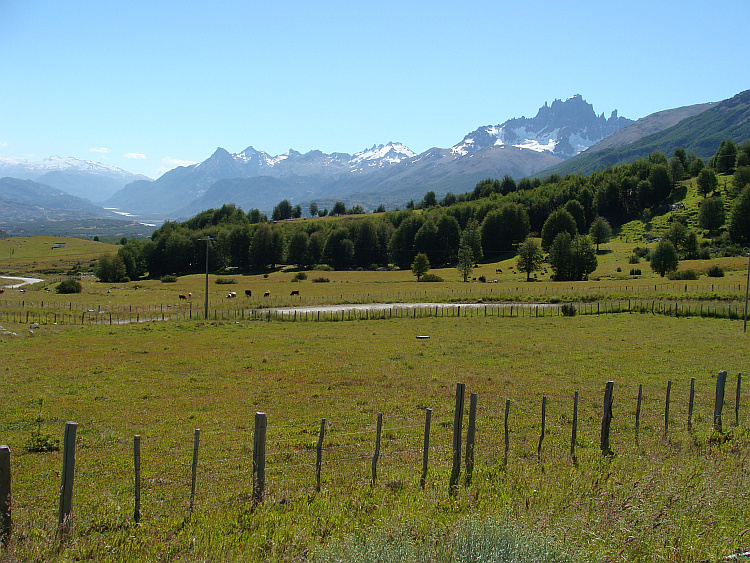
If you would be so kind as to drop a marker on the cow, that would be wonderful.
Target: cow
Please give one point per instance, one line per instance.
(3, 291)
(182, 296)
(294, 292)
(231, 295)
(190, 295)
(248, 293)
(267, 294)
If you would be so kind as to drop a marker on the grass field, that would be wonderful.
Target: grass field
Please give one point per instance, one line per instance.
(683, 498)
(679, 497)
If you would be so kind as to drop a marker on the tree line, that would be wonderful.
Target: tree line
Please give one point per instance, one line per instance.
(492, 221)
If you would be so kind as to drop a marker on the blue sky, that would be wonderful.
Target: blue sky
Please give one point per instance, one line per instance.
(148, 85)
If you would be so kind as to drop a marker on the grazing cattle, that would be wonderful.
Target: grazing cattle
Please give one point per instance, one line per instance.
(182, 296)
(267, 294)
(3, 291)
(294, 292)
(231, 295)
(498, 271)
(248, 293)
(190, 295)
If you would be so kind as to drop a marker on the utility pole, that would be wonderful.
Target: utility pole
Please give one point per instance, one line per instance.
(205, 314)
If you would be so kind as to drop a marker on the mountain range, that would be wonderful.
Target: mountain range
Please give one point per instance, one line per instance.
(564, 136)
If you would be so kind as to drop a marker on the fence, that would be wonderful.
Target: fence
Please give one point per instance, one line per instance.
(239, 466)
(733, 310)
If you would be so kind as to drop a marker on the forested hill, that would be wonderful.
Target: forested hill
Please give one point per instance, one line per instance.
(490, 221)
(699, 134)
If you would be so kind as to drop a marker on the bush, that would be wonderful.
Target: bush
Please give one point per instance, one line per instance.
(482, 279)
(568, 309)
(704, 254)
(222, 281)
(431, 278)
(168, 279)
(323, 268)
(320, 280)
(635, 271)
(715, 272)
(634, 259)
(683, 275)
(640, 252)
(69, 286)
(299, 276)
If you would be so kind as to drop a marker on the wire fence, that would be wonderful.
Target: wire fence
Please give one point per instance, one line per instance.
(175, 474)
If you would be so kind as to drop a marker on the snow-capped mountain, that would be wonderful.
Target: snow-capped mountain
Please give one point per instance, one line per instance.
(82, 178)
(564, 129)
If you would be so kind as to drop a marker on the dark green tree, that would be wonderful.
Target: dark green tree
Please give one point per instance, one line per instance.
(600, 232)
(282, 211)
(664, 258)
(110, 268)
(575, 208)
(725, 157)
(465, 261)
(313, 209)
(711, 215)
(449, 237)
(530, 257)
(427, 242)
(739, 221)
(661, 183)
(262, 251)
(339, 250)
(297, 250)
(707, 182)
(339, 208)
(741, 178)
(315, 247)
(420, 266)
(558, 221)
(472, 237)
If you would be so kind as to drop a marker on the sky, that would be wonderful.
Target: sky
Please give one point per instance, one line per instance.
(147, 86)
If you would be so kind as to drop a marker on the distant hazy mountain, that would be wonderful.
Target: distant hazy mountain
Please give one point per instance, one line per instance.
(700, 131)
(25, 200)
(390, 174)
(81, 178)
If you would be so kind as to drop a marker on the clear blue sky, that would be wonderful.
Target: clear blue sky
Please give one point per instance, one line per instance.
(146, 85)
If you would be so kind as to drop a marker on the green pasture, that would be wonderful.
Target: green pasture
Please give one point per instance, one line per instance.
(27, 256)
(679, 497)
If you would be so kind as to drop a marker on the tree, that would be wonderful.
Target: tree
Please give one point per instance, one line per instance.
(600, 232)
(426, 241)
(297, 211)
(282, 211)
(339, 208)
(574, 207)
(429, 200)
(504, 228)
(261, 248)
(725, 157)
(530, 257)
(739, 222)
(661, 183)
(421, 265)
(572, 258)
(339, 250)
(297, 251)
(664, 258)
(707, 182)
(472, 237)
(110, 268)
(711, 214)
(313, 209)
(558, 221)
(465, 263)
(741, 178)
(449, 238)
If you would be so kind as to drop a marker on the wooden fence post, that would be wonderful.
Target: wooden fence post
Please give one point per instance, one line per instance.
(544, 425)
(507, 432)
(691, 401)
(458, 417)
(666, 408)
(259, 457)
(5, 496)
(137, 466)
(737, 401)
(196, 443)
(574, 435)
(638, 412)
(426, 449)
(64, 515)
(376, 455)
(721, 381)
(470, 435)
(607, 418)
(319, 454)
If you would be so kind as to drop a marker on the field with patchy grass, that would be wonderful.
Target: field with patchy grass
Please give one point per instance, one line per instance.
(679, 498)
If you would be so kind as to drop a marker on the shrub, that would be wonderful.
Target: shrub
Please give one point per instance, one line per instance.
(635, 271)
(299, 276)
(482, 279)
(323, 267)
(431, 278)
(320, 280)
(634, 259)
(222, 281)
(619, 269)
(568, 309)
(640, 252)
(168, 279)
(715, 272)
(69, 286)
(704, 254)
(683, 275)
